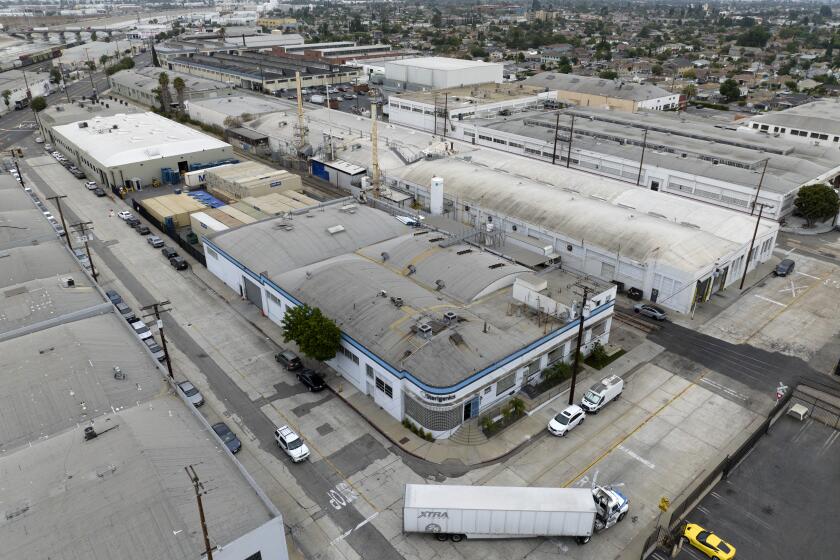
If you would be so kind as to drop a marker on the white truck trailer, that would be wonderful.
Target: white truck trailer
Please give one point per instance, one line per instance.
(493, 512)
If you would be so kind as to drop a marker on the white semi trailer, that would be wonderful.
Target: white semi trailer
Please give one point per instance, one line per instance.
(493, 512)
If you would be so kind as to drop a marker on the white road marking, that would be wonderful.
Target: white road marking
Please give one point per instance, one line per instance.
(688, 549)
(829, 442)
(733, 505)
(366, 521)
(770, 300)
(808, 275)
(640, 459)
(727, 390)
(704, 510)
(792, 289)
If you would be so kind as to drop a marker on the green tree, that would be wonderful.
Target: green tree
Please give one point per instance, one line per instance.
(316, 335)
(93, 36)
(55, 75)
(657, 70)
(6, 95)
(689, 90)
(104, 59)
(479, 52)
(38, 104)
(825, 11)
(817, 203)
(180, 87)
(155, 61)
(608, 74)
(791, 85)
(564, 66)
(730, 90)
(690, 74)
(756, 36)
(437, 18)
(165, 95)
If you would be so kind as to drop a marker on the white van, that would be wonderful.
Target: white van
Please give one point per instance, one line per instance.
(602, 393)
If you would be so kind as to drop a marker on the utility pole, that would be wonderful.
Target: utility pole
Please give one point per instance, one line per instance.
(157, 308)
(579, 343)
(758, 190)
(556, 129)
(752, 243)
(571, 135)
(57, 198)
(374, 151)
(17, 168)
(642, 160)
(301, 130)
(199, 490)
(82, 228)
(445, 112)
(90, 74)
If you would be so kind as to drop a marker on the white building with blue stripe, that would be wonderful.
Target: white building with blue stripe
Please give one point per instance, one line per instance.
(434, 329)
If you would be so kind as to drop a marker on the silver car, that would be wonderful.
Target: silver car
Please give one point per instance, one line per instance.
(192, 394)
(651, 311)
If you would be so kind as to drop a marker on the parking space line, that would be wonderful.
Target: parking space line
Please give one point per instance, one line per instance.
(733, 505)
(691, 552)
(770, 300)
(828, 443)
(731, 392)
(808, 275)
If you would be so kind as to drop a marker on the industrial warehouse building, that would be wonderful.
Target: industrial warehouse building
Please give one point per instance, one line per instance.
(676, 154)
(816, 123)
(141, 85)
(437, 72)
(130, 150)
(433, 329)
(249, 179)
(676, 250)
(598, 93)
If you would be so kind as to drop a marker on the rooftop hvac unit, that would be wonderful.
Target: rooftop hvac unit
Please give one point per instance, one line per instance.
(425, 330)
(450, 317)
(397, 301)
(83, 124)
(335, 229)
(439, 284)
(68, 282)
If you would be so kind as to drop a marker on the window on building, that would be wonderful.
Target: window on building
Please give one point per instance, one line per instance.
(384, 387)
(534, 366)
(273, 298)
(815, 135)
(369, 371)
(555, 355)
(505, 383)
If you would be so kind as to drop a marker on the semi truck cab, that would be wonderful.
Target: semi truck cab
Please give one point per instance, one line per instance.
(612, 507)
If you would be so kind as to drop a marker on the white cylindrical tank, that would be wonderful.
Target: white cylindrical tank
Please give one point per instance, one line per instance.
(436, 196)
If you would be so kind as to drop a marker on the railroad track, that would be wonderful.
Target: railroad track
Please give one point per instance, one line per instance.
(635, 321)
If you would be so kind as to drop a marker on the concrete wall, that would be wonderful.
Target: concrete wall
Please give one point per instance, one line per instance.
(439, 78)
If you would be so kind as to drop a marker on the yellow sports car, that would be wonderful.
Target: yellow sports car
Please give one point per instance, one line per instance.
(708, 543)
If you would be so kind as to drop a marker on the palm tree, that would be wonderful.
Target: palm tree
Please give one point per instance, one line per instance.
(6, 95)
(180, 86)
(165, 96)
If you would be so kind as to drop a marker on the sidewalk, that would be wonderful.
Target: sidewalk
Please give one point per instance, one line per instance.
(447, 451)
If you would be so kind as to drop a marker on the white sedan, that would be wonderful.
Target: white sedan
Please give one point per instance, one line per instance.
(125, 215)
(567, 419)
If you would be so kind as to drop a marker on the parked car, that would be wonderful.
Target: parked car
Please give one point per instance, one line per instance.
(291, 444)
(178, 263)
(708, 543)
(154, 241)
(143, 230)
(784, 268)
(651, 311)
(569, 418)
(114, 297)
(228, 437)
(635, 294)
(98, 192)
(193, 395)
(76, 172)
(141, 330)
(155, 349)
(133, 222)
(124, 215)
(126, 312)
(169, 252)
(288, 360)
(90, 185)
(311, 379)
(39, 140)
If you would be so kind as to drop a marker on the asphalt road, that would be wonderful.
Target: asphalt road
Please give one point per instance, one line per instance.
(316, 478)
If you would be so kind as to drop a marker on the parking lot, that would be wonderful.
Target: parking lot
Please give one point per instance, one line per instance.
(794, 315)
(779, 502)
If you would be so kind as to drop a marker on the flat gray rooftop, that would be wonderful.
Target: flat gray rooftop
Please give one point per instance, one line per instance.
(822, 115)
(62, 376)
(125, 494)
(597, 86)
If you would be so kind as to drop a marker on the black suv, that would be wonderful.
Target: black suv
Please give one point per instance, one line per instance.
(169, 252)
(133, 222)
(288, 360)
(143, 230)
(178, 263)
(126, 312)
(311, 379)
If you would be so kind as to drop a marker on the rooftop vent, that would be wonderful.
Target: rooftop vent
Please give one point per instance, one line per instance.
(348, 208)
(385, 256)
(68, 282)
(411, 269)
(397, 301)
(496, 265)
(425, 330)
(450, 317)
(464, 252)
(435, 239)
(440, 284)
(335, 229)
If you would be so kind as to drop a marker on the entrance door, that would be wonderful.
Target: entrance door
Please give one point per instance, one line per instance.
(183, 167)
(252, 292)
(471, 408)
(654, 185)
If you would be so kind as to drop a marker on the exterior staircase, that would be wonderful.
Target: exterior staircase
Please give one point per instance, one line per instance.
(469, 433)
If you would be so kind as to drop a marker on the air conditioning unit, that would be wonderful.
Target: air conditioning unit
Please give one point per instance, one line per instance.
(68, 282)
